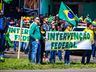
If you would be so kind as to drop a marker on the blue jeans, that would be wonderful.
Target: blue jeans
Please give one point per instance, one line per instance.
(15, 45)
(23, 45)
(87, 53)
(60, 54)
(67, 57)
(35, 52)
(2, 42)
(52, 56)
(93, 50)
(2, 45)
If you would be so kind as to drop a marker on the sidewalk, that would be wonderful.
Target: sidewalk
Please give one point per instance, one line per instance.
(62, 70)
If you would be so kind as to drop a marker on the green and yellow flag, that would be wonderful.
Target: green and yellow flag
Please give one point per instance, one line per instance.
(65, 13)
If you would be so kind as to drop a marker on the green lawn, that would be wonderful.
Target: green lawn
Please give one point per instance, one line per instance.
(23, 64)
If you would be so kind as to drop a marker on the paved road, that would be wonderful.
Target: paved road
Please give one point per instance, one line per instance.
(66, 70)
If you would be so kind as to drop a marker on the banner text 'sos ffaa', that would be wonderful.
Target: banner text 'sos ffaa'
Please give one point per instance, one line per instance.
(14, 33)
(67, 41)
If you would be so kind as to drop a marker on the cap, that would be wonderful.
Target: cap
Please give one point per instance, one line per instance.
(37, 18)
(66, 25)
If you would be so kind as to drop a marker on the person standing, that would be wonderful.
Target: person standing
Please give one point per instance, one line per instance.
(35, 47)
(45, 27)
(2, 40)
(59, 51)
(87, 19)
(87, 53)
(42, 41)
(94, 46)
(52, 58)
(67, 52)
(81, 19)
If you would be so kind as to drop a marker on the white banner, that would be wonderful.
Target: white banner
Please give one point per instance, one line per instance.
(14, 34)
(67, 41)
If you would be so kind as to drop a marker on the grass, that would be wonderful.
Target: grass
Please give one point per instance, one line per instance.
(23, 64)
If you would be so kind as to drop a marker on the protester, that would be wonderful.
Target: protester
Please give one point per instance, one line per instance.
(55, 26)
(81, 19)
(42, 41)
(94, 46)
(59, 52)
(16, 43)
(35, 47)
(46, 27)
(2, 40)
(87, 53)
(45, 24)
(67, 52)
(52, 58)
(8, 42)
(87, 19)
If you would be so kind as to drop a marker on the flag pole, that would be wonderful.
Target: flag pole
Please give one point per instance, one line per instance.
(20, 40)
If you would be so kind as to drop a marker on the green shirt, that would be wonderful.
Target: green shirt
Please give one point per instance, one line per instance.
(34, 31)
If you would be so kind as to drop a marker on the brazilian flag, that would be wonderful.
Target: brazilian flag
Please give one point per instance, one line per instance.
(65, 13)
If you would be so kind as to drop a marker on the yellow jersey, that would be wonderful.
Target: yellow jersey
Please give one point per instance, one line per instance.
(66, 30)
(91, 34)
